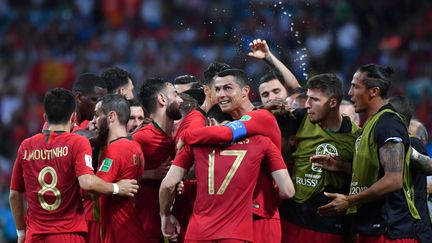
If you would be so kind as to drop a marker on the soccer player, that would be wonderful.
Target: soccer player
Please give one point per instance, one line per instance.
(121, 159)
(381, 188)
(275, 84)
(87, 90)
(232, 96)
(49, 170)
(161, 100)
(226, 178)
(119, 82)
(137, 116)
(320, 130)
(196, 118)
(423, 227)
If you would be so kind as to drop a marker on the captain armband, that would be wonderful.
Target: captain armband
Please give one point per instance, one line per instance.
(238, 130)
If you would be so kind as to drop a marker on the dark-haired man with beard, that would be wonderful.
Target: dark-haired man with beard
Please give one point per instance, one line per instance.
(160, 99)
(122, 158)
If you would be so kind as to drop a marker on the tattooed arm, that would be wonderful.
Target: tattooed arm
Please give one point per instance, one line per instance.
(422, 162)
(392, 159)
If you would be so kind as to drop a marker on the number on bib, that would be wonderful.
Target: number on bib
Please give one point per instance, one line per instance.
(240, 154)
(49, 187)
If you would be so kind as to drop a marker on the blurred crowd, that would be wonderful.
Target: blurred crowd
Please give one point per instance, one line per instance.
(47, 43)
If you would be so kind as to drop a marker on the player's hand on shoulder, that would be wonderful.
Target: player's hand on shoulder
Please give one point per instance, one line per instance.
(127, 187)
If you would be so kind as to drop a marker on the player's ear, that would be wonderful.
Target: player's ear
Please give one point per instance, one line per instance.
(112, 115)
(374, 92)
(161, 99)
(333, 102)
(78, 97)
(245, 91)
(72, 118)
(45, 117)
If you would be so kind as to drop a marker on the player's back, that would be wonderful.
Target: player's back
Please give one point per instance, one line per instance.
(50, 174)
(226, 179)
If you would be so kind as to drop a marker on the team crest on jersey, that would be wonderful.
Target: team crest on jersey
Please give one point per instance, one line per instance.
(106, 165)
(88, 161)
(323, 149)
(357, 142)
(245, 118)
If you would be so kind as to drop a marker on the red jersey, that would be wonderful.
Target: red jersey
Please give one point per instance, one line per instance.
(47, 167)
(183, 206)
(257, 122)
(226, 179)
(122, 159)
(157, 147)
(195, 119)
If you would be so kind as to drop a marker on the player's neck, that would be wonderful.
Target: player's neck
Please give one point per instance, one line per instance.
(206, 105)
(242, 110)
(374, 106)
(333, 121)
(164, 122)
(116, 133)
(60, 127)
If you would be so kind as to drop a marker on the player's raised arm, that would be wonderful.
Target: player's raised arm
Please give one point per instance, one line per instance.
(260, 50)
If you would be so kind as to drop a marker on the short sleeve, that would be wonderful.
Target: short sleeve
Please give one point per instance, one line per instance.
(184, 158)
(82, 157)
(109, 168)
(273, 158)
(17, 180)
(390, 128)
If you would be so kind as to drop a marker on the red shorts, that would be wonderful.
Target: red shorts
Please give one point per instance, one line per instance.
(267, 230)
(383, 239)
(294, 233)
(216, 241)
(55, 238)
(93, 234)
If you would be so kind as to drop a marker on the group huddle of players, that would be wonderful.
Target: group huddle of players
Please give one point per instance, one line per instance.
(198, 162)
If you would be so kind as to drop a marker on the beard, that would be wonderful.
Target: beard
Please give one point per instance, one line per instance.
(102, 131)
(173, 111)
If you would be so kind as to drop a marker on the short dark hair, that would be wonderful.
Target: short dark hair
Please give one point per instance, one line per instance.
(59, 104)
(271, 76)
(240, 76)
(197, 92)
(212, 70)
(403, 107)
(328, 83)
(118, 104)
(149, 91)
(115, 77)
(298, 90)
(135, 102)
(377, 76)
(86, 82)
(186, 79)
